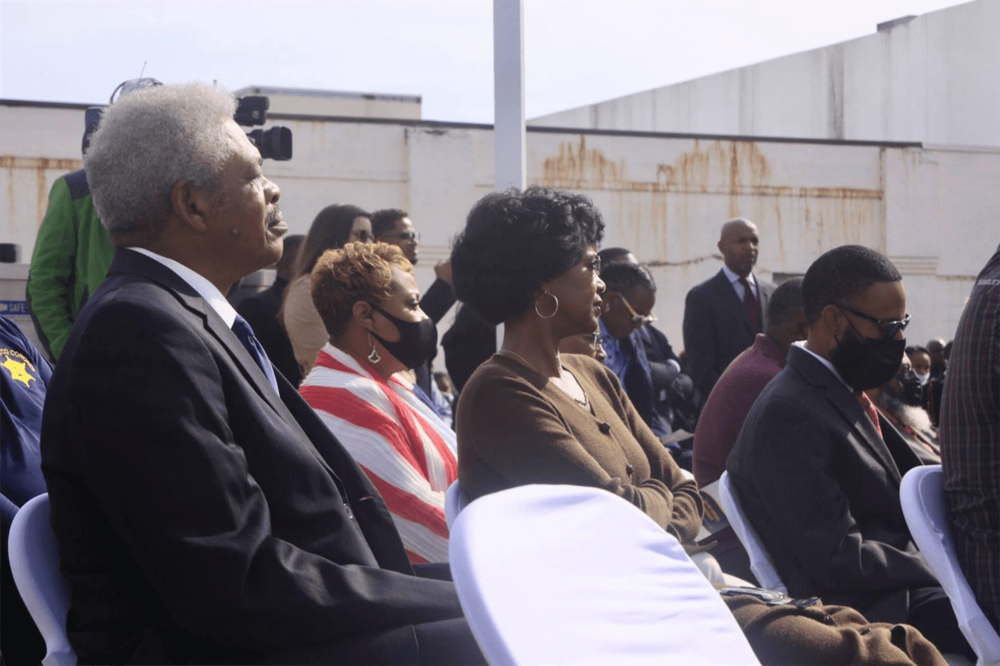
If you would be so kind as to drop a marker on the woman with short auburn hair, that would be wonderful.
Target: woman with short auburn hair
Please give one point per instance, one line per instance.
(370, 307)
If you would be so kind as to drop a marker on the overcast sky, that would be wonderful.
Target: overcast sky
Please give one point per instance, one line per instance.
(576, 51)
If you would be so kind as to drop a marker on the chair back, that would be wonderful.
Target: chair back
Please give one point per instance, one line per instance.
(454, 501)
(922, 496)
(34, 562)
(760, 562)
(550, 574)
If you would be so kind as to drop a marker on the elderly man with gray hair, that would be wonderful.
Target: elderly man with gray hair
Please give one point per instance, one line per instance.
(203, 511)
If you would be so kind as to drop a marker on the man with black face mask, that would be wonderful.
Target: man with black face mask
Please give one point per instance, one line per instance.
(898, 400)
(817, 469)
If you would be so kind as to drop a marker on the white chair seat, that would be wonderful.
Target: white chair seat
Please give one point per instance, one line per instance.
(454, 501)
(550, 574)
(34, 562)
(760, 562)
(922, 497)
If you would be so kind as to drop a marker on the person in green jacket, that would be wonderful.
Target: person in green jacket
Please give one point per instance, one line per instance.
(71, 258)
(73, 250)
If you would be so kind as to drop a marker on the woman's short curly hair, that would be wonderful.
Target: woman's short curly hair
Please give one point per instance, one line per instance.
(514, 241)
(355, 272)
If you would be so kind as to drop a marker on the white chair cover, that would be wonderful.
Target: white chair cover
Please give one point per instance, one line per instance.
(922, 496)
(454, 501)
(34, 562)
(551, 574)
(760, 562)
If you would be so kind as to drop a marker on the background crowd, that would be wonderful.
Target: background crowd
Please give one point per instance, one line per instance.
(263, 478)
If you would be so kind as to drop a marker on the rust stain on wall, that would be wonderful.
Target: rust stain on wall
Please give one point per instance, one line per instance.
(38, 165)
(732, 164)
(576, 162)
(671, 215)
(14, 162)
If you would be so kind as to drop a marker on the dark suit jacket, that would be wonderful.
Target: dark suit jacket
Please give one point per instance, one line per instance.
(200, 517)
(717, 329)
(436, 302)
(438, 299)
(822, 490)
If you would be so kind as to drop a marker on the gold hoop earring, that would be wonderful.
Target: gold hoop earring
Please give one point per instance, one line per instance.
(373, 358)
(544, 294)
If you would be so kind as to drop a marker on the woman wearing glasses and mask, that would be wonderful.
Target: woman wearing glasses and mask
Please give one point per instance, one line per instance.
(530, 415)
(369, 303)
(333, 227)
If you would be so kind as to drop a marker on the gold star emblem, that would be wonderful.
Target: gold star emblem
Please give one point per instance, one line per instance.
(18, 371)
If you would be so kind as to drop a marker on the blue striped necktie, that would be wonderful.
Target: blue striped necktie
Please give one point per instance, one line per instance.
(243, 331)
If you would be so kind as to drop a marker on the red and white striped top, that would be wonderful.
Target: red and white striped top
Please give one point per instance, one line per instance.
(406, 450)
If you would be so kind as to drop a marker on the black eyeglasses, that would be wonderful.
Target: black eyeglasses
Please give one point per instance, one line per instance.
(405, 235)
(889, 327)
(637, 319)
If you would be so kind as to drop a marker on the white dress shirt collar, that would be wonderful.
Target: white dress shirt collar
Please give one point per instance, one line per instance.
(733, 277)
(199, 283)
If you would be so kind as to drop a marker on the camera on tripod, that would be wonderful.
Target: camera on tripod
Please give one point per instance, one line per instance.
(274, 143)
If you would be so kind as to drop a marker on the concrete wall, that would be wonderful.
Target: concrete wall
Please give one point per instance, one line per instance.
(934, 79)
(936, 213)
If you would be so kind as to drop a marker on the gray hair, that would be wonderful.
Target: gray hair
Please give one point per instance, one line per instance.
(148, 141)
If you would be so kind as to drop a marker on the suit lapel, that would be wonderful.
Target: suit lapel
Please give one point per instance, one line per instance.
(821, 377)
(139, 264)
(728, 294)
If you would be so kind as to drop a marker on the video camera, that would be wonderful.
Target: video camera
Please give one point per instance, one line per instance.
(274, 143)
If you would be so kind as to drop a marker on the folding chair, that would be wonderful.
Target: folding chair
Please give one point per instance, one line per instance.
(922, 496)
(760, 562)
(551, 574)
(34, 562)
(454, 501)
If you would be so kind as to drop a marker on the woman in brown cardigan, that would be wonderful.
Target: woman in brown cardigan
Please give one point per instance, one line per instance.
(529, 415)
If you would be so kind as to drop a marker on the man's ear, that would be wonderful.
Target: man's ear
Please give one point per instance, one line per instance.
(191, 205)
(834, 320)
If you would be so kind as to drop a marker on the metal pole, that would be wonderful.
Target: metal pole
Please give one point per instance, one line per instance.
(508, 100)
(508, 93)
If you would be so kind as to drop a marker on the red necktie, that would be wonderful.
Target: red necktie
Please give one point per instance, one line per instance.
(750, 305)
(866, 404)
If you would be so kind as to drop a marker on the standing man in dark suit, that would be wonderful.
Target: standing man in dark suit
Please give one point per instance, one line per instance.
(203, 511)
(723, 315)
(816, 468)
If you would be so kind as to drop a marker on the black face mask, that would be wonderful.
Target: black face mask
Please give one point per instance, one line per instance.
(865, 363)
(912, 393)
(417, 339)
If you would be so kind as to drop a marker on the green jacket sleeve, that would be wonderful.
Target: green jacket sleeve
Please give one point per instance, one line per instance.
(71, 259)
(50, 279)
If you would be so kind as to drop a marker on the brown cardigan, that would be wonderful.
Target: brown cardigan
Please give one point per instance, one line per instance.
(515, 428)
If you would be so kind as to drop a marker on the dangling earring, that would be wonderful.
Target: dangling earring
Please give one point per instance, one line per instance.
(544, 294)
(373, 358)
